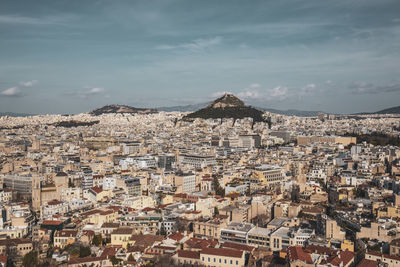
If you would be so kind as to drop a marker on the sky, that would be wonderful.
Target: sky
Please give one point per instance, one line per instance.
(72, 56)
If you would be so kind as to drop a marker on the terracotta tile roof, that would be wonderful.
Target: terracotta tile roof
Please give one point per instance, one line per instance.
(200, 243)
(320, 250)
(114, 208)
(297, 253)
(96, 189)
(225, 252)
(148, 209)
(368, 263)
(54, 202)
(146, 240)
(106, 212)
(15, 241)
(342, 259)
(108, 252)
(110, 225)
(123, 231)
(90, 212)
(51, 222)
(237, 246)
(189, 254)
(176, 236)
(66, 233)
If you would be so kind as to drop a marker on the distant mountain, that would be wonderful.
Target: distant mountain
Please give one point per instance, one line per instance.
(227, 106)
(289, 112)
(12, 114)
(393, 110)
(185, 108)
(293, 112)
(121, 109)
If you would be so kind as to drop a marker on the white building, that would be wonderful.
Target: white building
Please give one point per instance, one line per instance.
(54, 207)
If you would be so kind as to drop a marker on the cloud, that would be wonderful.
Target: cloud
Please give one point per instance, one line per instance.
(95, 91)
(16, 91)
(370, 88)
(328, 82)
(12, 92)
(89, 92)
(249, 94)
(28, 83)
(47, 20)
(280, 92)
(197, 45)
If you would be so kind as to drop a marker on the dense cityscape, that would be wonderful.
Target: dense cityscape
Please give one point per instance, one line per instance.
(199, 133)
(156, 189)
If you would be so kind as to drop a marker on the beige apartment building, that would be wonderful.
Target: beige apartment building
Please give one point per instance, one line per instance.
(64, 238)
(210, 228)
(333, 230)
(121, 236)
(20, 246)
(221, 257)
(305, 140)
(376, 231)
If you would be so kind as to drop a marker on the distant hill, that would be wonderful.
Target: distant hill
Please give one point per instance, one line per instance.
(12, 114)
(121, 109)
(185, 108)
(227, 106)
(289, 112)
(293, 112)
(393, 110)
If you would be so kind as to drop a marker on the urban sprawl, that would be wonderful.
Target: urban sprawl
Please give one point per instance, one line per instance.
(156, 190)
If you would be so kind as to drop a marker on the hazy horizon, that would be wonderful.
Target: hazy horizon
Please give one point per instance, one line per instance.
(71, 57)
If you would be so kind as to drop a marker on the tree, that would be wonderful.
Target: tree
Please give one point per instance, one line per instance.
(217, 187)
(97, 240)
(30, 259)
(114, 261)
(131, 258)
(179, 225)
(162, 230)
(84, 252)
(74, 253)
(70, 184)
(216, 211)
(295, 193)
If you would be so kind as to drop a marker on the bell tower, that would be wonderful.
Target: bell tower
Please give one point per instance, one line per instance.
(36, 198)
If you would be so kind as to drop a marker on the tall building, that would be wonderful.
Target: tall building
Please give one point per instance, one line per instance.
(36, 199)
(22, 185)
(87, 181)
(185, 182)
(250, 140)
(166, 161)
